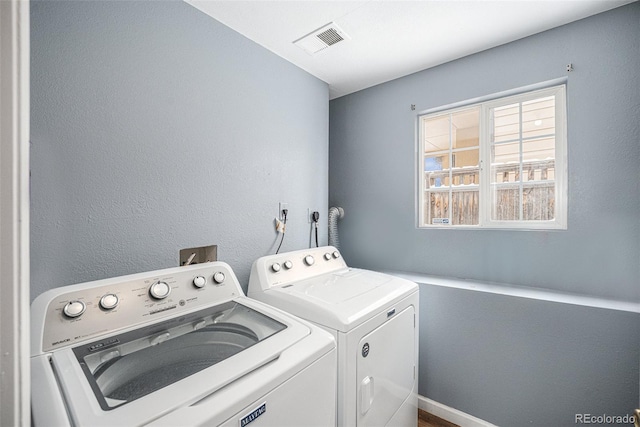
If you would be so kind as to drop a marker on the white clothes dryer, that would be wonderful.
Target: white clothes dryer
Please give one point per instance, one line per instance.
(181, 346)
(374, 318)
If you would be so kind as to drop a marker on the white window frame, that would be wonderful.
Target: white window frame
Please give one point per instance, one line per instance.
(486, 104)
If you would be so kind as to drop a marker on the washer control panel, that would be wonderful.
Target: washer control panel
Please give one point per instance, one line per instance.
(79, 312)
(281, 269)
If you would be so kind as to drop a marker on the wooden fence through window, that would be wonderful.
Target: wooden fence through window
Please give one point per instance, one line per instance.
(537, 186)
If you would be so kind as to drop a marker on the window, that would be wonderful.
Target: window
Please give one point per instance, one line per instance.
(495, 164)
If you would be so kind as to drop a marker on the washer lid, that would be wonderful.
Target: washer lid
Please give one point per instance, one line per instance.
(340, 300)
(126, 367)
(278, 355)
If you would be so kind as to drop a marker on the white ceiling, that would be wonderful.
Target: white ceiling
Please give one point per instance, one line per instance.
(392, 38)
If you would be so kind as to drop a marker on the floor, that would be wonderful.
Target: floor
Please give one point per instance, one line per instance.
(426, 419)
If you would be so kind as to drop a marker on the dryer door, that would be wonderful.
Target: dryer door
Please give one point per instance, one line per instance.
(386, 369)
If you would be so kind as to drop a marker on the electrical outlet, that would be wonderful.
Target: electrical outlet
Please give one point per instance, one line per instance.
(282, 206)
(309, 213)
(198, 255)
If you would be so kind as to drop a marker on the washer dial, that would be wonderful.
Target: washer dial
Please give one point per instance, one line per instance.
(160, 290)
(219, 277)
(275, 267)
(309, 260)
(109, 301)
(199, 281)
(74, 309)
(288, 265)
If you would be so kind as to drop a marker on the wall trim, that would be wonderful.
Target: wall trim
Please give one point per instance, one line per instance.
(519, 291)
(14, 212)
(451, 414)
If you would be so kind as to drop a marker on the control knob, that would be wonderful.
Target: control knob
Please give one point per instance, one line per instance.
(327, 256)
(219, 277)
(288, 265)
(109, 301)
(275, 267)
(199, 281)
(74, 309)
(160, 290)
(336, 254)
(309, 260)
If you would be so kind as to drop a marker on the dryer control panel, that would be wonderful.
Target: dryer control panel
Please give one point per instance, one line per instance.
(67, 315)
(282, 269)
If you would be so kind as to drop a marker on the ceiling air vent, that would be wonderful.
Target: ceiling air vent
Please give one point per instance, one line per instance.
(330, 36)
(322, 38)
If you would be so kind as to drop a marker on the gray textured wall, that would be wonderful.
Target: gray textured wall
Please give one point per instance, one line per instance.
(508, 360)
(373, 165)
(156, 128)
(523, 362)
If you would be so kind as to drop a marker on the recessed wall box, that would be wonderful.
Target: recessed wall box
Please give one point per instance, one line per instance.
(198, 255)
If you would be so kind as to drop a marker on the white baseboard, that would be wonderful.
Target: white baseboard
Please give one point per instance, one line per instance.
(450, 414)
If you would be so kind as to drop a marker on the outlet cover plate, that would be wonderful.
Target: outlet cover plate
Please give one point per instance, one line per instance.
(309, 212)
(282, 206)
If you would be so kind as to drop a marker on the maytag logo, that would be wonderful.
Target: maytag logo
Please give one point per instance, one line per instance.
(253, 415)
(60, 342)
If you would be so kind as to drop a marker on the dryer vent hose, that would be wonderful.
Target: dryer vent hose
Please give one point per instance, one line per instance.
(334, 215)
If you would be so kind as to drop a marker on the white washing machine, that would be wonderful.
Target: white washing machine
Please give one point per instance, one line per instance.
(374, 318)
(176, 347)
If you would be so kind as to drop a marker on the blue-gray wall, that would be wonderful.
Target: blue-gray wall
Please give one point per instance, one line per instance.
(525, 362)
(156, 128)
(373, 175)
(508, 360)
